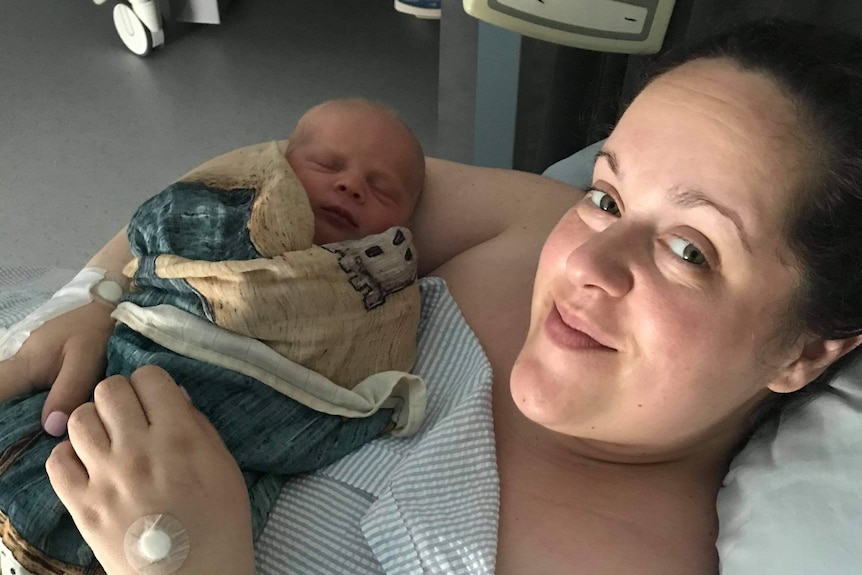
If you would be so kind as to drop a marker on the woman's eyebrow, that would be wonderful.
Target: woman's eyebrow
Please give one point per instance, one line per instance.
(688, 198)
(611, 159)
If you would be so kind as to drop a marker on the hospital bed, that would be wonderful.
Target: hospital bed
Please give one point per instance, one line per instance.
(791, 503)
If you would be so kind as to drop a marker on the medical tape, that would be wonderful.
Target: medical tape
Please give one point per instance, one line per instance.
(156, 545)
(90, 284)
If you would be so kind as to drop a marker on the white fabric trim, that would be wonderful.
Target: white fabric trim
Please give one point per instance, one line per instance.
(197, 338)
(71, 296)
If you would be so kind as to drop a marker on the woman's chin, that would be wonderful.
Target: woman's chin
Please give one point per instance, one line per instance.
(539, 395)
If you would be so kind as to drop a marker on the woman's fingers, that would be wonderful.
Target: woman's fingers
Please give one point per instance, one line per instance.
(14, 378)
(119, 410)
(88, 436)
(66, 355)
(67, 474)
(80, 371)
(160, 396)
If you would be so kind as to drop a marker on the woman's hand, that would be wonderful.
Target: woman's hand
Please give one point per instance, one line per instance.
(142, 449)
(66, 355)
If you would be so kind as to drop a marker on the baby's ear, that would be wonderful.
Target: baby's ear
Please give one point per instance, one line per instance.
(815, 356)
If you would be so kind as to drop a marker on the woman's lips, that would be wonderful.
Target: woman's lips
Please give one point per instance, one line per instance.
(569, 337)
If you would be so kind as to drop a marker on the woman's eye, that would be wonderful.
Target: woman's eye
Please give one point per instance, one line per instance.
(605, 202)
(687, 251)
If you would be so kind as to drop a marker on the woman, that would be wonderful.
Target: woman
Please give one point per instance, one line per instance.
(698, 278)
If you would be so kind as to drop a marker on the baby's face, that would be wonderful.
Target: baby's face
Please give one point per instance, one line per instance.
(359, 171)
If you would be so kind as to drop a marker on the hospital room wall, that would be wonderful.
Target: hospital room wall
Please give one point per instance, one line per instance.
(477, 99)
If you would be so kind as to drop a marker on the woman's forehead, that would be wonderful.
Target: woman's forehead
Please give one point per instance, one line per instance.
(716, 93)
(711, 127)
(711, 118)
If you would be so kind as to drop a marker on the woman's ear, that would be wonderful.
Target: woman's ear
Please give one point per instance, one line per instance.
(815, 356)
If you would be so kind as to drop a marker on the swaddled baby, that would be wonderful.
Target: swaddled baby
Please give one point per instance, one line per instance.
(277, 284)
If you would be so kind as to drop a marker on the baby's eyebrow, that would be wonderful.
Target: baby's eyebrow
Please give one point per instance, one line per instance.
(689, 198)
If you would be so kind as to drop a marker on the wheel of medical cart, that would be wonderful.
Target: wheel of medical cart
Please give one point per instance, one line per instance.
(132, 31)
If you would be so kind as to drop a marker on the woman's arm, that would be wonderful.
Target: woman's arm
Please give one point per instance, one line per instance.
(66, 354)
(114, 255)
(464, 206)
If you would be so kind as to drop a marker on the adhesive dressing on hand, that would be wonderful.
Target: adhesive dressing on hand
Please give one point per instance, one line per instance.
(156, 545)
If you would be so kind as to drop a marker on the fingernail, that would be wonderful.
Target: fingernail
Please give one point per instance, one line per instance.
(186, 393)
(55, 423)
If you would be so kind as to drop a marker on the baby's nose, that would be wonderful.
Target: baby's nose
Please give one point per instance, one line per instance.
(353, 187)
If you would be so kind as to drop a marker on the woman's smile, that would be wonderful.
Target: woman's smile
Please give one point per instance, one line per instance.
(566, 334)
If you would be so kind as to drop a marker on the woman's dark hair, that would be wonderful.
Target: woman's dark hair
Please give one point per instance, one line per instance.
(820, 71)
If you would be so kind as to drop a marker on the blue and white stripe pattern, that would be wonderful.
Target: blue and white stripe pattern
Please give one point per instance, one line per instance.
(425, 504)
(23, 289)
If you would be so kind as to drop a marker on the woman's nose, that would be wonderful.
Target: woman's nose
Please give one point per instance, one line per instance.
(606, 260)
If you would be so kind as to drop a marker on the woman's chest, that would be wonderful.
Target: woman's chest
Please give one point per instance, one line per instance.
(569, 524)
(549, 540)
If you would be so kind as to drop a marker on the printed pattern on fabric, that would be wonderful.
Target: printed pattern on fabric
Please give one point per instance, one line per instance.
(242, 257)
(425, 504)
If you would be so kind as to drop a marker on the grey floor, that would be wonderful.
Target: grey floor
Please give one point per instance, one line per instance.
(88, 130)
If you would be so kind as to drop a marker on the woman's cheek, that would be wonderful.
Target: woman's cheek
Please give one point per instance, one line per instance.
(569, 233)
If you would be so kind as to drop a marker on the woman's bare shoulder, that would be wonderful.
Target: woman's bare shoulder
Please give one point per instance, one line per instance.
(482, 230)
(464, 207)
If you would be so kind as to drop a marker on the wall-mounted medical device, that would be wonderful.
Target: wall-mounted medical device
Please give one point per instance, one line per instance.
(628, 26)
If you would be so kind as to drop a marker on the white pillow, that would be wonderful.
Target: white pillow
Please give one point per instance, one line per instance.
(792, 501)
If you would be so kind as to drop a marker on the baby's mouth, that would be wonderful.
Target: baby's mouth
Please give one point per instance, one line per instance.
(342, 215)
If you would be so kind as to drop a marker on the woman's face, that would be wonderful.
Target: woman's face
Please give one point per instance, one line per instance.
(657, 298)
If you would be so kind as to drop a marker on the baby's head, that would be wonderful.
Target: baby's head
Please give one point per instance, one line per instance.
(361, 166)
